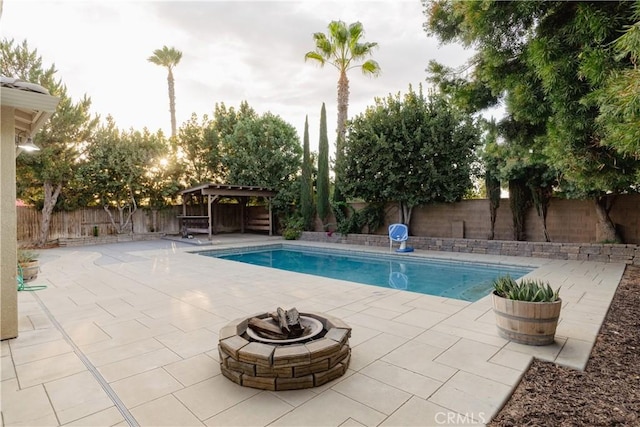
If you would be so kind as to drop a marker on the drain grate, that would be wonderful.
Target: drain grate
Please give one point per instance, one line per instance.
(94, 371)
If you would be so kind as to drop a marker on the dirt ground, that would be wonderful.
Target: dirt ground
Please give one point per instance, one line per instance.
(607, 393)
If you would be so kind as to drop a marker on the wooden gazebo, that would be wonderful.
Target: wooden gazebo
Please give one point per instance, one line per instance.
(211, 194)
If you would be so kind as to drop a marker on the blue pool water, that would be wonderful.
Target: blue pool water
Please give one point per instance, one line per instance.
(460, 280)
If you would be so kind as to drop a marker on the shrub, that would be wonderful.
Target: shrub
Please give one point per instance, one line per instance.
(291, 234)
(527, 290)
(25, 255)
(292, 227)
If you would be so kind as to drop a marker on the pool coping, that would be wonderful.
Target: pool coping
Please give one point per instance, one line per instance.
(374, 255)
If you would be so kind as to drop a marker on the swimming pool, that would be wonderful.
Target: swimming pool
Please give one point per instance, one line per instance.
(452, 279)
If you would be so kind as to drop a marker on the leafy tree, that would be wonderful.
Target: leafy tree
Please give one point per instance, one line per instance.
(264, 151)
(545, 60)
(199, 151)
(323, 169)
(530, 180)
(619, 96)
(168, 57)
(343, 48)
(162, 177)
(225, 119)
(19, 61)
(116, 169)
(412, 150)
(224, 124)
(306, 184)
(45, 174)
(200, 143)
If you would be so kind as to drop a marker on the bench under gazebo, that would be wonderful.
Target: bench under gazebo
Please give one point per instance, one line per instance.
(202, 212)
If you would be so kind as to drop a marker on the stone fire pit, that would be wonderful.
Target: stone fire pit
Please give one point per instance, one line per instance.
(308, 362)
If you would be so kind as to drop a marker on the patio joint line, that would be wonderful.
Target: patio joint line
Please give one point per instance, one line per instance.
(94, 371)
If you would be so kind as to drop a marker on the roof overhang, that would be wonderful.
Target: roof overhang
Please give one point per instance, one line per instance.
(32, 109)
(229, 190)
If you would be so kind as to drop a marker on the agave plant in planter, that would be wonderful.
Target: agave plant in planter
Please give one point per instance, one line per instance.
(526, 312)
(28, 263)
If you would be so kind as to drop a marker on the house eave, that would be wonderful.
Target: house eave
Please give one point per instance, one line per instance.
(32, 109)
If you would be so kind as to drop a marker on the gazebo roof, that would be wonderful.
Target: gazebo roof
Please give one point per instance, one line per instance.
(229, 190)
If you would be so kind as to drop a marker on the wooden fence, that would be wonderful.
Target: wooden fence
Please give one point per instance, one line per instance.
(89, 222)
(568, 221)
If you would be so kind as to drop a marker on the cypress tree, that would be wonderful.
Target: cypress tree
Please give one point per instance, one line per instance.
(306, 188)
(323, 168)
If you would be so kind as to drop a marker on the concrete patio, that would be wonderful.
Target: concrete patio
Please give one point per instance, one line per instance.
(127, 334)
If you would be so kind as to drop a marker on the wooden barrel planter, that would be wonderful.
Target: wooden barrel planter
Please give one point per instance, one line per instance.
(30, 270)
(524, 322)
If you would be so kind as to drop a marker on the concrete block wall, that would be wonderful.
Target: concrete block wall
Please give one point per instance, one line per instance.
(572, 221)
(628, 254)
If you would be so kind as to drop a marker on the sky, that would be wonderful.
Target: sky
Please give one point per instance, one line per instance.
(233, 51)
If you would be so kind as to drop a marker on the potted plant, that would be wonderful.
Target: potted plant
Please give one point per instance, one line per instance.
(28, 262)
(526, 312)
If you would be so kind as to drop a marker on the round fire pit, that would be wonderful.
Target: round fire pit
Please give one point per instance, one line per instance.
(290, 364)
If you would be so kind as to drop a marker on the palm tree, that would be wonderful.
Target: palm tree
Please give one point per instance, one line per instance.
(342, 48)
(168, 57)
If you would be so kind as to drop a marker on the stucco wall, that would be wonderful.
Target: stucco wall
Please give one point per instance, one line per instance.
(8, 252)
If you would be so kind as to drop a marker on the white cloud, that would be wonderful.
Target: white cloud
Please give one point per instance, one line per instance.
(232, 51)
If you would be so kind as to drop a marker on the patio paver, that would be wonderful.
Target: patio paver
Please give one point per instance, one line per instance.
(145, 317)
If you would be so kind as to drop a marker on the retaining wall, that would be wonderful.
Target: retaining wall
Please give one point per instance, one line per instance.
(628, 254)
(101, 240)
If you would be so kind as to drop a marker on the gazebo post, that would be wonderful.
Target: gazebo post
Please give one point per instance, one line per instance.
(209, 214)
(212, 209)
(243, 216)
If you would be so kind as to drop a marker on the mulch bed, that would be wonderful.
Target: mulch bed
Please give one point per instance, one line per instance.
(607, 393)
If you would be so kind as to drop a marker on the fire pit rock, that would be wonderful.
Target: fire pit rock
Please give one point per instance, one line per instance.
(287, 366)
